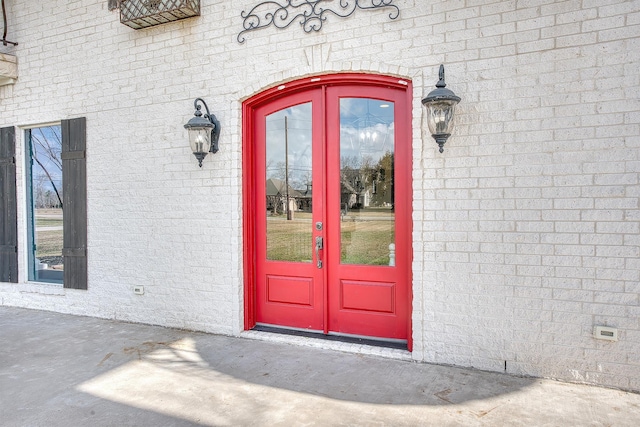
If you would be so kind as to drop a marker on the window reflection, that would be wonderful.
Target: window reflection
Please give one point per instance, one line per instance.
(44, 166)
(366, 181)
(288, 184)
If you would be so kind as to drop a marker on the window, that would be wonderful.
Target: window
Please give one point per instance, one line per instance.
(55, 158)
(57, 203)
(44, 203)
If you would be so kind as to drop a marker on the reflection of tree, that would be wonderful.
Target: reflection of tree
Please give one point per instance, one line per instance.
(288, 143)
(43, 196)
(275, 202)
(47, 153)
(382, 177)
(299, 178)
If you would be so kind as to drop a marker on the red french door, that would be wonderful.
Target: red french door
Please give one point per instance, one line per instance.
(328, 207)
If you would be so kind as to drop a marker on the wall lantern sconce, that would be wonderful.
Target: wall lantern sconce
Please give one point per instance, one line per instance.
(204, 132)
(441, 103)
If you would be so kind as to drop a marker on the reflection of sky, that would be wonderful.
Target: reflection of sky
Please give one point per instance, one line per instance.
(366, 128)
(366, 132)
(299, 133)
(45, 142)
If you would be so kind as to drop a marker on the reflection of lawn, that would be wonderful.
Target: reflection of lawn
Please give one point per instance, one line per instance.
(371, 212)
(48, 222)
(364, 241)
(289, 240)
(49, 212)
(48, 242)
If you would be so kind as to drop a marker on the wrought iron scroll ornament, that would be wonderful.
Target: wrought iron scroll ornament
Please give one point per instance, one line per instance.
(311, 14)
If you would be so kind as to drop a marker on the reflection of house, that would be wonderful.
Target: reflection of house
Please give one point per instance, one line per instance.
(304, 202)
(353, 194)
(277, 196)
(362, 190)
(353, 185)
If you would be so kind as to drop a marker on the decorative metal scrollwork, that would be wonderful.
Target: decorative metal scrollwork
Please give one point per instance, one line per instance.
(311, 14)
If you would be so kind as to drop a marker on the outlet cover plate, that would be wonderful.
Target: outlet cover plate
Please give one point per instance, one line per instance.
(606, 333)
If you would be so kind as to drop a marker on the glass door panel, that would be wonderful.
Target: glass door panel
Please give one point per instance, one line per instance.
(288, 184)
(367, 216)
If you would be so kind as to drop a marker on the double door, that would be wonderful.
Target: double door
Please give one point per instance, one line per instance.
(331, 191)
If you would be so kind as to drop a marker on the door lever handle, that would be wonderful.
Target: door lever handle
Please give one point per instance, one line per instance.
(319, 245)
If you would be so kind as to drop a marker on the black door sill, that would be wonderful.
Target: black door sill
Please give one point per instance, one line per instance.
(337, 338)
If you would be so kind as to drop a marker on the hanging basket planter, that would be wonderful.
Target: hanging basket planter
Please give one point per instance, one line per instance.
(139, 14)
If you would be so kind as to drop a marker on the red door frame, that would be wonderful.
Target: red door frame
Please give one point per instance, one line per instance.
(249, 159)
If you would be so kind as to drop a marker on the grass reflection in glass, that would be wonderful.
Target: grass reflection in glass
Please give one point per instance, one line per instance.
(48, 236)
(289, 240)
(365, 239)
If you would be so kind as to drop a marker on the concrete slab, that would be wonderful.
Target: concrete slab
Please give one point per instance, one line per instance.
(60, 370)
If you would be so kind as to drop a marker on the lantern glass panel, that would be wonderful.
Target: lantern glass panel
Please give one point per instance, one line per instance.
(200, 140)
(440, 116)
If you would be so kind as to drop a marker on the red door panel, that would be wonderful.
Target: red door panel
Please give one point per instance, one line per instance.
(289, 286)
(367, 296)
(290, 290)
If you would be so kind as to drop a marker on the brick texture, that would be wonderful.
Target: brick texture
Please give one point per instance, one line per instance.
(525, 232)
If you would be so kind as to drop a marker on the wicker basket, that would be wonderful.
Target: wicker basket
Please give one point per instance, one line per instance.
(139, 14)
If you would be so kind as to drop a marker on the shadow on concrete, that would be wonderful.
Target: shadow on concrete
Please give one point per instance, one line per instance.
(64, 370)
(45, 356)
(352, 377)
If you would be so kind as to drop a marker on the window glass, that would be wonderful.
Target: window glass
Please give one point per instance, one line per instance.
(367, 215)
(44, 203)
(288, 184)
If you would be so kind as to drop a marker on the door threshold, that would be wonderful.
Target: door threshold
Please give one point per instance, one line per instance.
(334, 337)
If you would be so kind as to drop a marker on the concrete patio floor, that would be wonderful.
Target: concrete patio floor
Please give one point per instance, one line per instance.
(61, 370)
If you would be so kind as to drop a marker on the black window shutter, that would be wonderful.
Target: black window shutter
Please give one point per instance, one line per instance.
(8, 207)
(74, 201)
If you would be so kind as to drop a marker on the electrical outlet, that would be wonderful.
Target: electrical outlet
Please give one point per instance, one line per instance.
(138, 290)
(606, 333)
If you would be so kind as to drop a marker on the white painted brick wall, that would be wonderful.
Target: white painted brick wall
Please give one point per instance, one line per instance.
(526, 230)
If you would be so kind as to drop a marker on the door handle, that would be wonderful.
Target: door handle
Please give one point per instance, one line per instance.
(319, 245)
